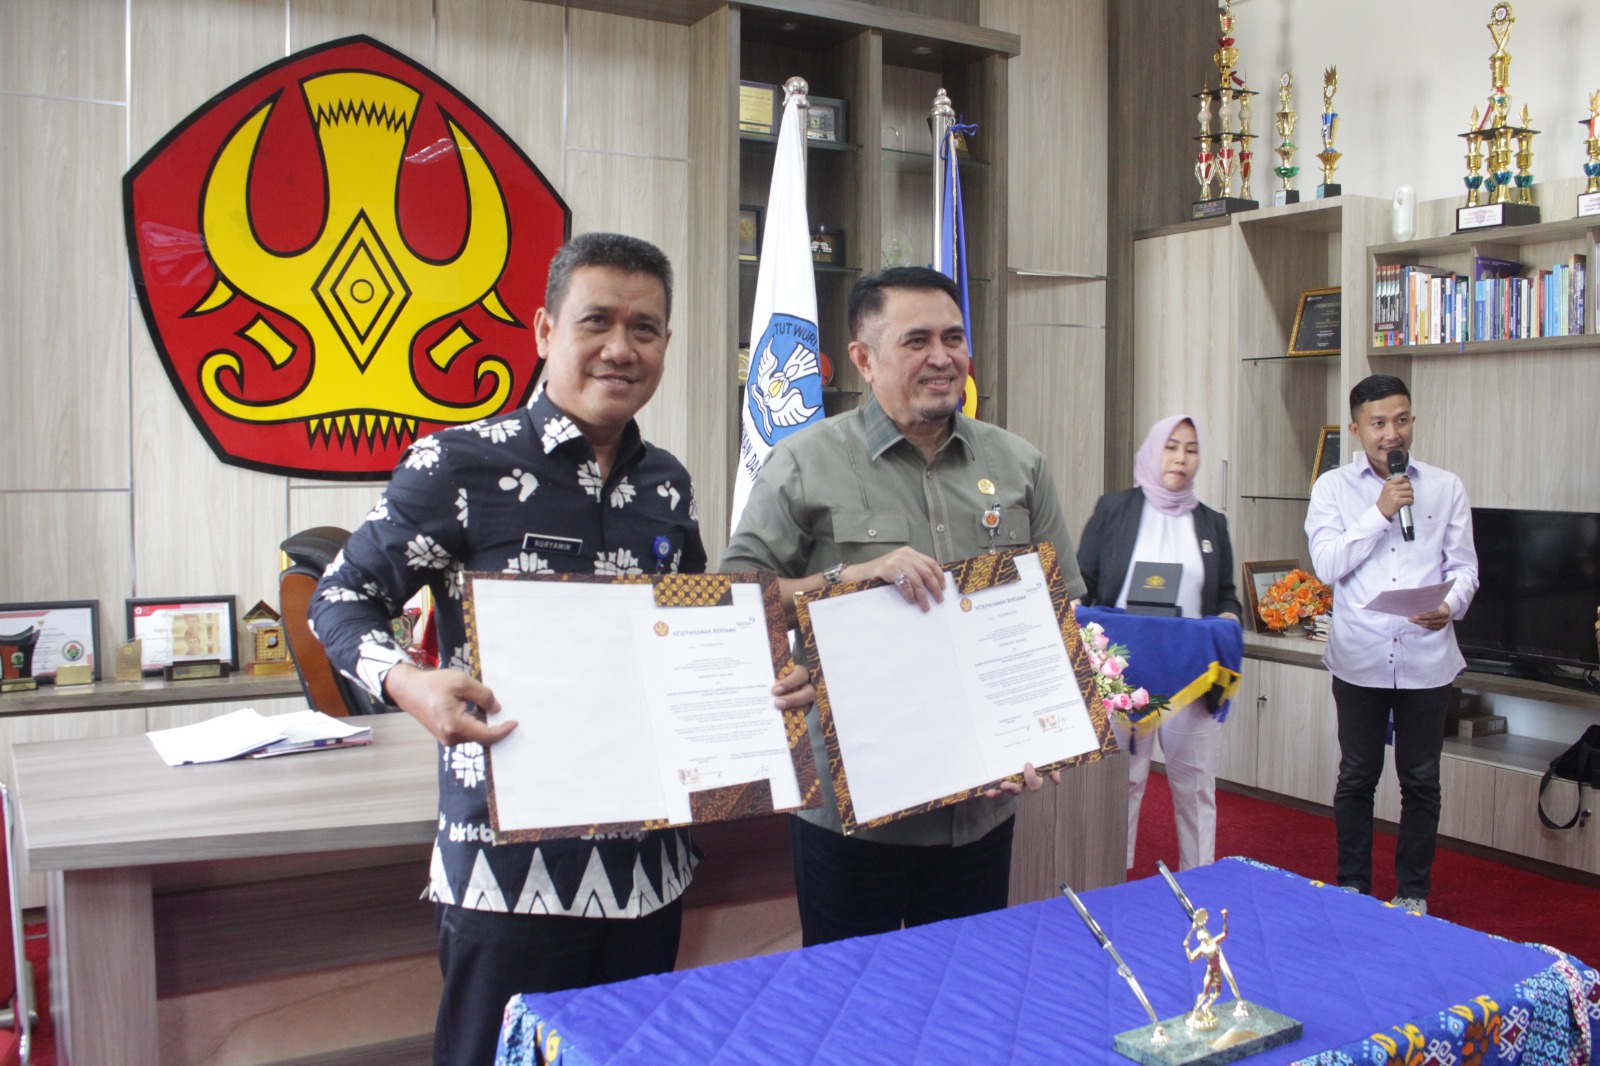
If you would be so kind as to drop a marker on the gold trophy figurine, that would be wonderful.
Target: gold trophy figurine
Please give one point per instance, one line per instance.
(1283, 122)
(1474, 180)
(1589, 199)
(1209, 949)
(1330, 129)
(1524, 178)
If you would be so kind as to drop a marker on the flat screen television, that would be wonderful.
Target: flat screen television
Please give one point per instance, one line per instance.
(1539, 585)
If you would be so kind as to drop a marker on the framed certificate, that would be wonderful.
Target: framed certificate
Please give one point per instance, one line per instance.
(177, 630)
(825, 120)
(1316, 323)
(66, 634)
(641, 702)
(1327, 452)
(758, 108)
(921, 710)
(749, 233)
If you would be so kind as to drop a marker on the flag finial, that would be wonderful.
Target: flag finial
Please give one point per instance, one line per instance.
(942, 107)
(796, 86)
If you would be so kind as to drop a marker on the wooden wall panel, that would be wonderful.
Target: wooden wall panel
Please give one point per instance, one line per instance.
(63, 297)
(405, 25)
(199, 527)
(1053, 402)
(507, 57)
(644, 197)
(1182, 338)
(186, 51)
(1075, 832)
(1058, 124)
(69, 546)
(345, 506)
(53, 49)
(629, 86)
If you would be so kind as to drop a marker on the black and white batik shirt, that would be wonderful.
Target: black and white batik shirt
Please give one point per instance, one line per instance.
(520, 492)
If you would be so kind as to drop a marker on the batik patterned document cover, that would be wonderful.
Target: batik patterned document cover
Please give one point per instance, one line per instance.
(971, 575)
(721, 804)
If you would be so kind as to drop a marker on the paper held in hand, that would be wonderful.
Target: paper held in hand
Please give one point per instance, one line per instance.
(1409, 602)
(922, 710)
(641, 702)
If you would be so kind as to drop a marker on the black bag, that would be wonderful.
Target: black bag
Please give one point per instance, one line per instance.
(1580, 763)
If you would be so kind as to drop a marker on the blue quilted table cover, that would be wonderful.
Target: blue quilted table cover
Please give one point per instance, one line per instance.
(1372, 985)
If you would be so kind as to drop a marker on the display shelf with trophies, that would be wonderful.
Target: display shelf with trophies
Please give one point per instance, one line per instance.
(870, 161)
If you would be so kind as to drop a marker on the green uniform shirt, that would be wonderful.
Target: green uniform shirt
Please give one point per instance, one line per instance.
(854, 488)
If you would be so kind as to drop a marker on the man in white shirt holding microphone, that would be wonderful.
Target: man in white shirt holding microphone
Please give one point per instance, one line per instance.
(1386, 522)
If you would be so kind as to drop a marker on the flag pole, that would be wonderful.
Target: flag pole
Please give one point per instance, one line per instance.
(944, 116)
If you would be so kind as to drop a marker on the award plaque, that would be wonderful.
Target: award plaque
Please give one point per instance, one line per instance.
(758, 108)
(67, 635)
(825, 120)
(127, 661)
(1327, 452)
(16, 660)
(194, 629)
(749, 233)
(827, 245)
(1316, 323)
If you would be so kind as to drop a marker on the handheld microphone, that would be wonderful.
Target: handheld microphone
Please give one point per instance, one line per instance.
(1397, 466)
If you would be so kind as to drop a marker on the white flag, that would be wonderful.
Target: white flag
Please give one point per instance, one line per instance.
(783, 393)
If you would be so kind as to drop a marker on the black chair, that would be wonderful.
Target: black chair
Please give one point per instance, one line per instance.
(309, 553)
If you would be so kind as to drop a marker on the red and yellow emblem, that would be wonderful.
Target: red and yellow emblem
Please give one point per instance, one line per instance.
(337, 255)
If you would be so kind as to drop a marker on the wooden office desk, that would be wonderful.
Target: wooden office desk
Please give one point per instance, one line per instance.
(168, 879)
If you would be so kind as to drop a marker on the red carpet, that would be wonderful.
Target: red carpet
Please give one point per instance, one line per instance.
(1478, 893)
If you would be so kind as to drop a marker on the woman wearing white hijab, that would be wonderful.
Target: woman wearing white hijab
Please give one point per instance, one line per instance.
(1159, 520)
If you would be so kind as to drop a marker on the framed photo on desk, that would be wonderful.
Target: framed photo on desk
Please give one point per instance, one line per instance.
(178, 629)
(68, 634)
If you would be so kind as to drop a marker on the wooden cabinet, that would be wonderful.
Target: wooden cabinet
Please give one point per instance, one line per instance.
(1297, 739)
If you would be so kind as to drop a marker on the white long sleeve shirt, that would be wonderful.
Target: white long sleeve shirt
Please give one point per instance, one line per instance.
(1360, 553)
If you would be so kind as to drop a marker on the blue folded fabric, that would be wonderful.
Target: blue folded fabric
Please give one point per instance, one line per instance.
(1180, 659)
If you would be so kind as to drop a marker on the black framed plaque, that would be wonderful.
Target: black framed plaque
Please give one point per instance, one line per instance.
(67, 634)
(1327, 452)
(184, 629)
(1316, 323)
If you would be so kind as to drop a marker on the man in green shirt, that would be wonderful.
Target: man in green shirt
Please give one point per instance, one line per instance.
(890, 491)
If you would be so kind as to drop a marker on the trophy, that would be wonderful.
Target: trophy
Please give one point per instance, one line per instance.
(1589, 199)
(16, 660)
(1224, 154)
(1330, 129)
(1193, 1038)
(1499, 197)
(1284, 124)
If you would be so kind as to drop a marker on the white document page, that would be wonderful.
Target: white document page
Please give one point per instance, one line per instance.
(710, 700)
(1008, 647)
(560, 660)
(1408, 602)
(929, 704)
(227, 736)
(905, 733)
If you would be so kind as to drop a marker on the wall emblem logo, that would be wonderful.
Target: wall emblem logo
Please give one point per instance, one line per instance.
(336, 255)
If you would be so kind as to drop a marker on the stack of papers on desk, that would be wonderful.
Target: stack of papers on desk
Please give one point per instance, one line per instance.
(249, 733)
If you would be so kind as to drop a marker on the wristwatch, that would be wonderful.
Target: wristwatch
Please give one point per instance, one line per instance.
(833, 574)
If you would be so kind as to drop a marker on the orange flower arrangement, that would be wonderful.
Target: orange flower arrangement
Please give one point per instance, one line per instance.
(1296, 596)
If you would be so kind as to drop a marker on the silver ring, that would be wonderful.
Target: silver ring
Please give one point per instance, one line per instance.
(901, 580)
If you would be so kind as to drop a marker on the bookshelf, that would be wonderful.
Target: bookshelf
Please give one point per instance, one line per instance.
(1213, 306)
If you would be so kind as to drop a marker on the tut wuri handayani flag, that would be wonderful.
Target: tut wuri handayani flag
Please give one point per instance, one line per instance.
(783, 393)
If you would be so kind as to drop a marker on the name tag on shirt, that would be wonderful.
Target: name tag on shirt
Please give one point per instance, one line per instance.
(555, 545)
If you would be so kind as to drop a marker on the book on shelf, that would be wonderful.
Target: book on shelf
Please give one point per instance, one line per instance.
(1502, 300)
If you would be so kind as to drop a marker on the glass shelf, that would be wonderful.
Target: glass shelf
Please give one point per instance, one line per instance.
(906, 162)
(1287, 499)
(1289, 358)
(826, 146)
(820, 268)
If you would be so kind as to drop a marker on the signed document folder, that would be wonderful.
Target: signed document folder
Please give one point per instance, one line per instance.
(922, 710)
(642, 702)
